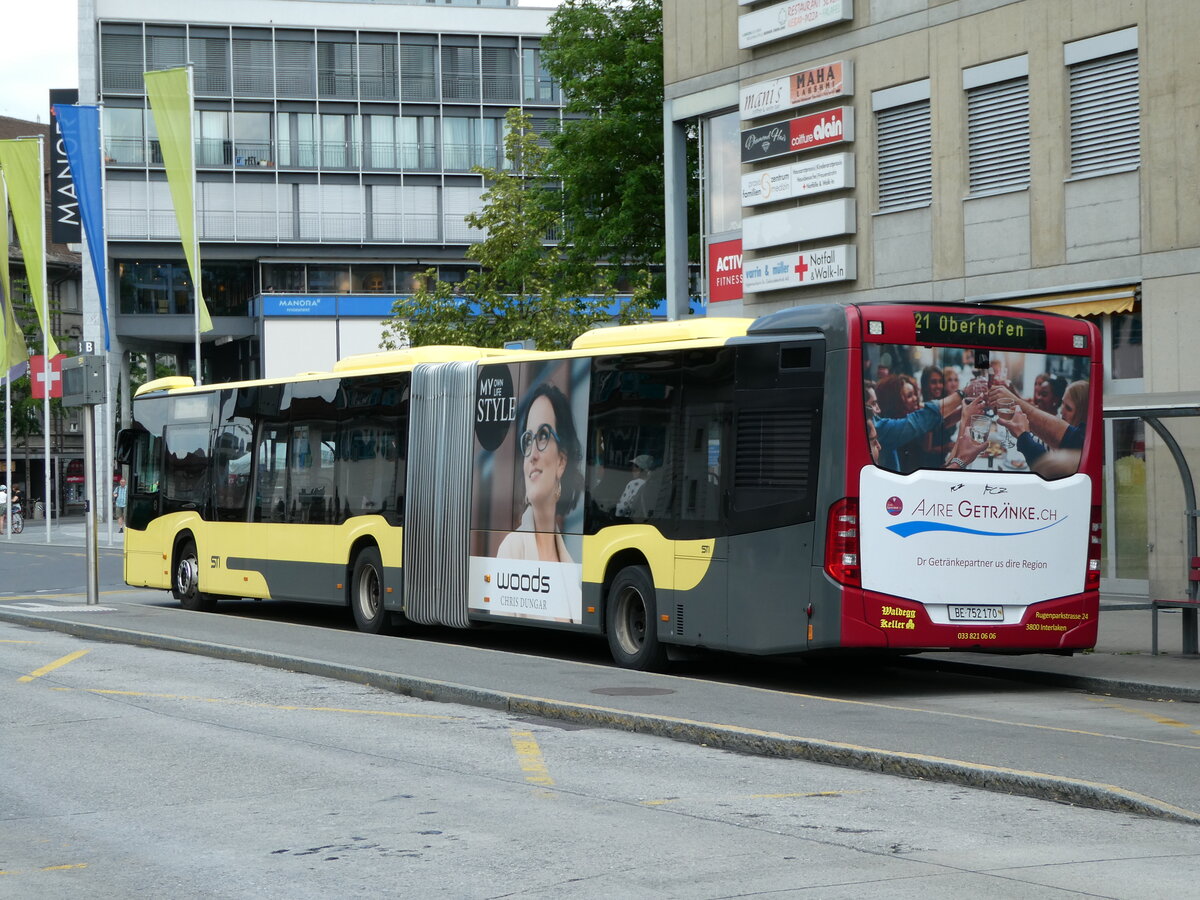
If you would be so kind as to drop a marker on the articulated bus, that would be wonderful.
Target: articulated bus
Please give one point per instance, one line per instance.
(883, 476)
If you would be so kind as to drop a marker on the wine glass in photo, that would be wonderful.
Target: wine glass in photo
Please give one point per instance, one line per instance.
(980, 426)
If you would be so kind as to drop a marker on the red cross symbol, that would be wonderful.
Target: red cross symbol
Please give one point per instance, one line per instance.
(42, 375)
(801, 267)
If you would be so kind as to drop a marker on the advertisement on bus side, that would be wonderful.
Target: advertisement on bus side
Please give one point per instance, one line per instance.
(527, 507)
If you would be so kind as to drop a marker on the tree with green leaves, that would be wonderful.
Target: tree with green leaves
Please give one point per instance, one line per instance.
(524, 289)
(607, 55)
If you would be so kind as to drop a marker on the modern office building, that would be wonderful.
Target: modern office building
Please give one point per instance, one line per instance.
(334, 146)
(1040, 153)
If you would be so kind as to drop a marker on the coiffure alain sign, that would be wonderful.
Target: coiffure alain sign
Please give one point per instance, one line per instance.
(783, 20)
(835, 79)
(833, 126)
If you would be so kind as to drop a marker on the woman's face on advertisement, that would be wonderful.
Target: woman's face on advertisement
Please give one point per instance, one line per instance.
(543, 468)
(1068, 411)
(908, 394)
(935, 386)
(950, 380)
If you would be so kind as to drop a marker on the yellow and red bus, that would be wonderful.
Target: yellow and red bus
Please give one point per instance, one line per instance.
(893, 476)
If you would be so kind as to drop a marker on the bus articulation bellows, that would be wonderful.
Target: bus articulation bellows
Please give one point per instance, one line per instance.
(899, 477)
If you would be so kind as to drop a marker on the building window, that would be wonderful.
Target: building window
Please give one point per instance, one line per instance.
(337, 75)
(124, 136)
(253, 69)
(460, 74)
(378, 75)
(165, 51)
(904, 145)
(295, 69)
(1104, 105)
(211, 58)
(998, 125)
(723, 173)
(418, 73)
(499, 75)
(252, 139)
(537, 85)
(121, 64)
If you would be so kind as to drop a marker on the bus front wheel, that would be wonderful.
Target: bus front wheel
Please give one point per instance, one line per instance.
(630, 616)
(185, 586)
(366, 592)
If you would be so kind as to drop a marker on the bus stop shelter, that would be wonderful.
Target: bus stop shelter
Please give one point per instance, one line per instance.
(1153, 409)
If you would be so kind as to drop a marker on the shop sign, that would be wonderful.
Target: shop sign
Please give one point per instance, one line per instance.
(801, 269)
(725, 270)
(773, 23)
(799, 179)
(833, 126)
(835, 79)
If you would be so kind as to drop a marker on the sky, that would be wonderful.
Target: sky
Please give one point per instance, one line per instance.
(40, 52)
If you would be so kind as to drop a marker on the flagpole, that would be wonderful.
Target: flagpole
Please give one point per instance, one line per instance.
(197, 279)
(110, 405)
(46, 511)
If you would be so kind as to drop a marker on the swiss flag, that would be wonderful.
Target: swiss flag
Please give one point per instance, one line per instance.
(40, 375)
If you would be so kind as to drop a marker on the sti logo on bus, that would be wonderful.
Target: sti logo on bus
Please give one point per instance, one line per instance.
(894, 506)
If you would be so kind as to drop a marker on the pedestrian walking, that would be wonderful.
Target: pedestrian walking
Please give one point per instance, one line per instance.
(119, 503)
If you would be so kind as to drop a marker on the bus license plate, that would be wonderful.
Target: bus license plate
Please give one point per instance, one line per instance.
(976, 614)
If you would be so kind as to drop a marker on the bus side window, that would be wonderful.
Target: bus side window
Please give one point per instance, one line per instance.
(271, 475)
(185, 485)
(232, 454)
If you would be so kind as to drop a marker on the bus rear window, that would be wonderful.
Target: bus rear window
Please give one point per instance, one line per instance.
(962, 408)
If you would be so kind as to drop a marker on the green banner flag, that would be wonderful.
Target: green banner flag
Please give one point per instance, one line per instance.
(170, 93)
(13, 351)
(21, 162)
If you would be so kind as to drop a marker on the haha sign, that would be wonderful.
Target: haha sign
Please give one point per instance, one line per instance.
(835, 79)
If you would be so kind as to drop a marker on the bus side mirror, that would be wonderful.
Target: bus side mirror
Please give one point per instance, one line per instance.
(127, 439)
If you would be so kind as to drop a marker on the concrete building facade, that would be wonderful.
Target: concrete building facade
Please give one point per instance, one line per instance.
(1042, 153)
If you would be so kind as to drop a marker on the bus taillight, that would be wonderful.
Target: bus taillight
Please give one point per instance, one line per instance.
(1091, 581)
(841, 543)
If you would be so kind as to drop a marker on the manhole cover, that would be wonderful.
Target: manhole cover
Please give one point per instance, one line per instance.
(631, 691)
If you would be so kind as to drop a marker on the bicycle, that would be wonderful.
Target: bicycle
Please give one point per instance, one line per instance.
(17, 522)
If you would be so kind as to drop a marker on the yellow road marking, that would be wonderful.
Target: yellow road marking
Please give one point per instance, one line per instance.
(1153, 717)
(529, 754)
(57, 664)
(338, 709)
(47, 868)
(20, 642)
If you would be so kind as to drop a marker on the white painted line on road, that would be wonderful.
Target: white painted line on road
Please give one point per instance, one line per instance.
(50, 607)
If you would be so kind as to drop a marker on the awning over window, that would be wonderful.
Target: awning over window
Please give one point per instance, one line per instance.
(1100, 302)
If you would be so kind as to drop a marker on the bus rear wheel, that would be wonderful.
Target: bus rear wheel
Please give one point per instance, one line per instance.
(630, 616)
(366, 593)
(185, 586)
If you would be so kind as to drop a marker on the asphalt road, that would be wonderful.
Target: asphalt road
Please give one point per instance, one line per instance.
(129, 772)
(978, 730)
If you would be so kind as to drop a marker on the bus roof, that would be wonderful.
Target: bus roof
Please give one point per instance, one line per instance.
(678, 331)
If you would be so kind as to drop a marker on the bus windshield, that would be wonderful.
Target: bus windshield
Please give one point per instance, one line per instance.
(962, 408)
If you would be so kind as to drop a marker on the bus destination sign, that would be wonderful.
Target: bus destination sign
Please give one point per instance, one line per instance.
(975, 329)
